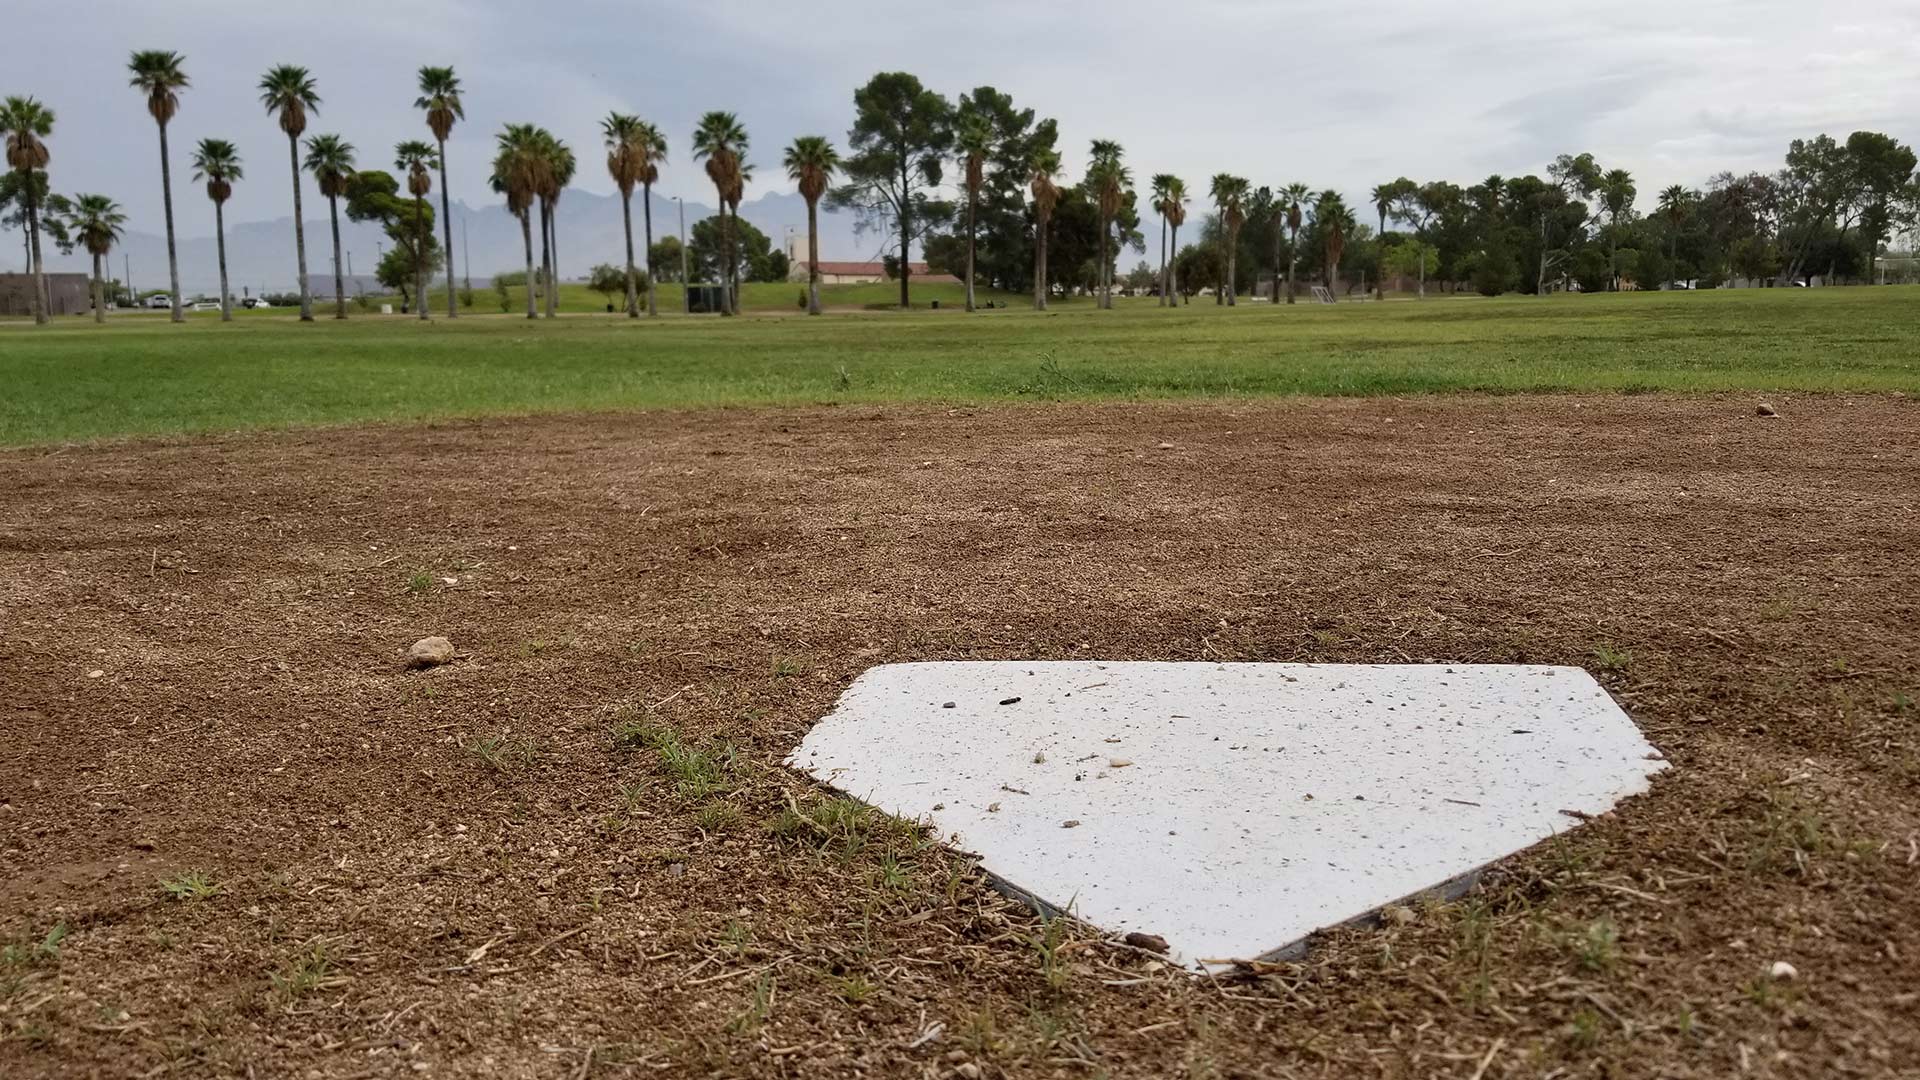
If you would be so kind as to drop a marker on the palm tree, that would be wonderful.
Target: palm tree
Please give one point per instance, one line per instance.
(1176, 211)
(440, 97)
(560, 167)
(741, 178)
(1046, 195)
(720, 141)
(330, 160)
(1382, 197)
(1617, 192)
(95, 224)
(650, 145)
(417, 158)
(1162, 194)
(287, 91)
(157, 74)
(811, 162)
(1295, 198)
(1675, 206)
(27, 124)
(516, 171)
(1229, 196)
(975, 141)
(218, 163)
(1109, 180)
(621, 134)
(1336, 221)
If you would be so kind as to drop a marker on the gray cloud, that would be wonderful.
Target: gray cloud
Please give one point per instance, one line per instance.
(1337, 96)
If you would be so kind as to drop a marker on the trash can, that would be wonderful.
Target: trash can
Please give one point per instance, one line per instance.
(936, 305)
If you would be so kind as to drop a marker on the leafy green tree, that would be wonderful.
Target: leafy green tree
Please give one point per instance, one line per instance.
(900, 136)
(217, 162)
(663, 258)
(157, 74)
(811, 162)
(1419, 205)
(716, 240)
(97, 223)
(1197, 267)
(330, 160)
(374, 196)
(607, 279)
(289, 95)
(721, 142)
(27, 124)
(440, 98)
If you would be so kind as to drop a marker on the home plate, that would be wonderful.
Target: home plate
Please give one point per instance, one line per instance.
(1232, 809)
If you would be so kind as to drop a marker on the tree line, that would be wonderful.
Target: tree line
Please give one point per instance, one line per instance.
(1011, 219)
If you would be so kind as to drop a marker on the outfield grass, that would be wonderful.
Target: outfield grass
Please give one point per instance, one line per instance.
(758, 296)
(77, 381)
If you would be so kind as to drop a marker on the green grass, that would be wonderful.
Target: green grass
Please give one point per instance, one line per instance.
(145, 376)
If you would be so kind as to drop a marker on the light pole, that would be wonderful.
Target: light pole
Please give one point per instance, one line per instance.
(686, 297)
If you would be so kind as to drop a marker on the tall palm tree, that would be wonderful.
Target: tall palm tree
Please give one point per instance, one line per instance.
(1109, 179)
(1229, 197)
(288, 93)
(975, 142)
(1382, 197)
(1675, 206)
(440, 97)
(157, 74)
(735, 193)
(218, 163)
(330, 160)
(650, 146)
(811, 162)
(621, 134)
(1617, 192)
(560, 165)
(516, 170)
(1336, 222)
(27, 125)
(1046, 195)
(95, 224)
(1295, 198)
(416, 158)
(721, 142)
(1176, 212)
(1162, 187)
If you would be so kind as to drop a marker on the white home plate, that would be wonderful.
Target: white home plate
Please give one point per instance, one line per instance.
(1232, 809)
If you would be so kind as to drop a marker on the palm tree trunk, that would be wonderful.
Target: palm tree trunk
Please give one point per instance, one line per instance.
(1173, 270)
(166, 204)
(420, 256)
(1420, 250)
(906, 231)
(35, 266)
(1233, 264)
(1040, 266)
(546, 257)
(1293, 258)
(1163, 261)
(646, 217)
(220, 246)
(813, 256)
(526, 238)
(626, 222)
(446, 223)
(299, 231)
(972, 198)
(99, 293)
(340, 281)
(729, 302)
(553, 245)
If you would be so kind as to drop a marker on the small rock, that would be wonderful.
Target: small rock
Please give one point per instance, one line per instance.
(1010, 701)
(1071, 823)
(1149, 942)
(95, 673)
(948, 705)
(1118, 763)
(1166, 446)
(993, 808)
(1766, 409)
(678, 869)
(430, 652)
(1782, 970)
(1397, 914)
(145, 844)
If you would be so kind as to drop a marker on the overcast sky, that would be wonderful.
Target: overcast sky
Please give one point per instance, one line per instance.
(1335, 95)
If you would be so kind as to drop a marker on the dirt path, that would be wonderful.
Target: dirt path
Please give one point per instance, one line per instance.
(494, 868)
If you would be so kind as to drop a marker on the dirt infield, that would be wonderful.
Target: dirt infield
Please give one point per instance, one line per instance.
(572, 852)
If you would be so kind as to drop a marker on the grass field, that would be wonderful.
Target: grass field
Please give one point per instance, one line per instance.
(143, 376)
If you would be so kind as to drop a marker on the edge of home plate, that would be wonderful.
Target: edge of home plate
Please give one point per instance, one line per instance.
(1231, 809)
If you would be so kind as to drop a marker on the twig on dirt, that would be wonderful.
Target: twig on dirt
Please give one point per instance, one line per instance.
(669, 697)
(373, 566)
(551, 942)
(586, 1063)
(1488, 1060)
(1460, 802)
(1648, 897)
(927, 1036)
(1155, 1027)
(394, 1018)
(480, 953)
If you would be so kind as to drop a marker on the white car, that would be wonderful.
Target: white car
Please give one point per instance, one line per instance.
(159, 300)
(255, 302)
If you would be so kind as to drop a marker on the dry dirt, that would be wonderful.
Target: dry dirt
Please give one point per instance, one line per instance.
(490, 868)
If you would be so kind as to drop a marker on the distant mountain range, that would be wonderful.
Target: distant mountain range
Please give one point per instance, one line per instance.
(260, 255)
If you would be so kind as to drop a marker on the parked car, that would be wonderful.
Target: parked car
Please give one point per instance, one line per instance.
(159, 300)
(255, 302)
